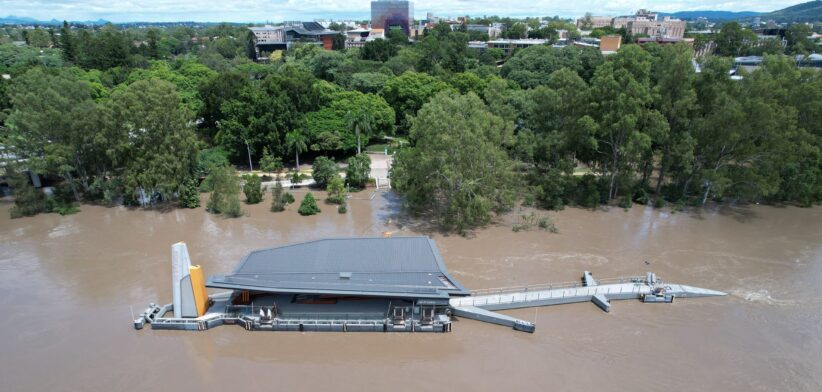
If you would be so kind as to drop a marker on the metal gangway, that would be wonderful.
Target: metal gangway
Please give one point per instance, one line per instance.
(481, 304)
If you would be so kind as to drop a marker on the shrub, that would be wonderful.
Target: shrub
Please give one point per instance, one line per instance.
(189, 195)
(323, 171)
(288, 198)
(109, 190)
(253, 189)
(526, 222)
(342, 209)
(296, 178)
(641, 196)
(64, 209)
(551, 189)
(28, 200)
(545, 223)
(625, 202)
(336, 191)
(308, 206)
(62, 200)
(232, 208)
(269, 163)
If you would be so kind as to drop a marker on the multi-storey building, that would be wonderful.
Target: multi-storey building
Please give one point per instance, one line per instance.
(271, 38)
(595, 22)
(644, 22)
(392, 14)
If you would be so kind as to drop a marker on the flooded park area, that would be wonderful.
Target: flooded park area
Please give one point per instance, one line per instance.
(69, 285)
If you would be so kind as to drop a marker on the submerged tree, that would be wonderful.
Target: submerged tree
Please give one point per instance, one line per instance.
(336, 191)
(155, 141)
(674, 96)
(458, 169)
(28, 200)
(278, 198)
(623, 122)
(358, 171)
(323, 171)
(225, 196)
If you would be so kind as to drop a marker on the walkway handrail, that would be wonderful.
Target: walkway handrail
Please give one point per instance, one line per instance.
(551, 286)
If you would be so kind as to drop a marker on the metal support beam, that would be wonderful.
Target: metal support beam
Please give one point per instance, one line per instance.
(475, 313)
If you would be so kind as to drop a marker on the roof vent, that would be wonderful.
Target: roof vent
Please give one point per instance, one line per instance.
(345, 275)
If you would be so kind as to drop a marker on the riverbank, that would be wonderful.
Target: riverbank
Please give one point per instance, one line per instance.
(57, 271)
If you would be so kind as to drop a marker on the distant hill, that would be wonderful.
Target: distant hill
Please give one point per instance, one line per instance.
(805, 12)
(712, 15)
(21, 20)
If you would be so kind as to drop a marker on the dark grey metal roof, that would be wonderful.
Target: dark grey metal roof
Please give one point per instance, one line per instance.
(388, 267)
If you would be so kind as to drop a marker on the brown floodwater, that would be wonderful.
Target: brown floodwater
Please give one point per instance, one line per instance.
(67, 284)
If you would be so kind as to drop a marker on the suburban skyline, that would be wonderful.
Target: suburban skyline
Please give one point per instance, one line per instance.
(119, 11)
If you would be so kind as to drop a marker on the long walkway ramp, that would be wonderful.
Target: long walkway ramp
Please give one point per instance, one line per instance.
(650, 289)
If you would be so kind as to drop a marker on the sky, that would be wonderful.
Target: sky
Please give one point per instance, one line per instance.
(279, 10)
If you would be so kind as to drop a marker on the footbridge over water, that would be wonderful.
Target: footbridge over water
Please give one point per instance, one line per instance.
(481, 304)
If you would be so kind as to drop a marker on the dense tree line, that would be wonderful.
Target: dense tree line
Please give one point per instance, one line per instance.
(734, 40)
(140, 116)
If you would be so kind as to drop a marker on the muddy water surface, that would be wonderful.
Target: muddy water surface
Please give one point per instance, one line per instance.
(67, 285)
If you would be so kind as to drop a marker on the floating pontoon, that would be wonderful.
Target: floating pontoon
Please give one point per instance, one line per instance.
(368, 284)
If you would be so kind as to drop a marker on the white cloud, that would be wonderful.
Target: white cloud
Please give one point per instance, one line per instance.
(274, 10)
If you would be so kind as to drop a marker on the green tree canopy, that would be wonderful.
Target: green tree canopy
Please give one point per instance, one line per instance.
(328, 129)
(258, 117)
(155, 143)
(378, 50)
(532, 66)
(622, 119)
(55, 126)
(408, 92)
(358, 171)
(733, 40)
(323, 170)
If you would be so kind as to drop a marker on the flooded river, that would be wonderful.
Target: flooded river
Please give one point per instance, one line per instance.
(67, 285)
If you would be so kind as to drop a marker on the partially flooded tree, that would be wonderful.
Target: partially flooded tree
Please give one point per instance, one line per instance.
(225, 197)
(278, 199)
(28, 200)
(457, 170)
(336, 191)
(155, 142)
(358, 171)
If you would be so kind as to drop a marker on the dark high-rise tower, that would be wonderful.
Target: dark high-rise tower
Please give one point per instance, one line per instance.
(392, 14)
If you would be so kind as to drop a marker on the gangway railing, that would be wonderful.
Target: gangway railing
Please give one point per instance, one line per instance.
(552, 286)
(329, 316)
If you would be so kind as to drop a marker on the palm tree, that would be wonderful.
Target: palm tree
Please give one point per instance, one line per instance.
(359, 122)
(295, 141)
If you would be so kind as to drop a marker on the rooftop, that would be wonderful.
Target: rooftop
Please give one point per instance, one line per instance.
(405, 267)
(521, 41)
